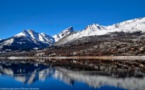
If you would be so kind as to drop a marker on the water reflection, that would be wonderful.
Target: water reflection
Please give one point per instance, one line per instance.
(119, 74)
(96, 81)
(26, 72)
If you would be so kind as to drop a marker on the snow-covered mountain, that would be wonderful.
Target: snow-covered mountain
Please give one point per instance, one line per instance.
(96, 29)
(26, 40)
(64, 33)
(42, 37)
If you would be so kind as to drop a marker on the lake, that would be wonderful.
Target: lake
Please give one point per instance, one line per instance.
(71, 75)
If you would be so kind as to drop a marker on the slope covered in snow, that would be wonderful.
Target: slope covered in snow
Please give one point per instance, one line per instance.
(96, 29)
(64, 33)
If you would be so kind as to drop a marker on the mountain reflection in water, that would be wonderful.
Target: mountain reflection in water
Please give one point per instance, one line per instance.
(90, 74)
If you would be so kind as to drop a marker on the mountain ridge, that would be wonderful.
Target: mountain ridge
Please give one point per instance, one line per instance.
(130, 26)
(42, 40)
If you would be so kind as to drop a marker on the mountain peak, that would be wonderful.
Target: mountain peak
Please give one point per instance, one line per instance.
(26, 32)
(95, 27)
(70, 28)
(43, 34)
(67, 30)
(30, 30)
(63, 33)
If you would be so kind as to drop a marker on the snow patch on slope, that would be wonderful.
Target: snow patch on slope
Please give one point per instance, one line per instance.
(9, 41)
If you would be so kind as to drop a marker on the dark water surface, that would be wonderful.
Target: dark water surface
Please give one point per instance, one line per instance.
(71, 75)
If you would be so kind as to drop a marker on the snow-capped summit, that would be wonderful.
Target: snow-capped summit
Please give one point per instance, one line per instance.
(36, 36)
(64, 33)
(27, 33)
(94, 27)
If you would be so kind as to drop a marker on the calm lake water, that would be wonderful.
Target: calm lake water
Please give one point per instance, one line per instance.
(71, 75)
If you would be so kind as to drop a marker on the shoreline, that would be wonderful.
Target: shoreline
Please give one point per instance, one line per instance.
(81, 57)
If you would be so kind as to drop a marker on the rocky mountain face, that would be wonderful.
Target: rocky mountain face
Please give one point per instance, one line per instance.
(63, 34)
(26, 40)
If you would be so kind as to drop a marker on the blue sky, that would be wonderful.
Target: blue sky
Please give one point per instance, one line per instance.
(52, 16)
